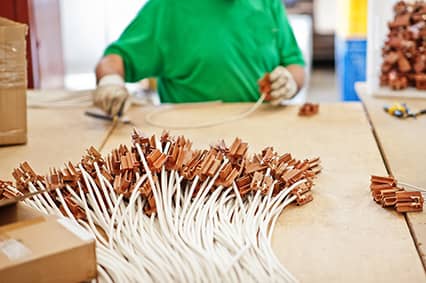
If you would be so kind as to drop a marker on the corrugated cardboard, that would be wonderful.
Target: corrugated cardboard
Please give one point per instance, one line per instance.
(39, 248)
(13, 83)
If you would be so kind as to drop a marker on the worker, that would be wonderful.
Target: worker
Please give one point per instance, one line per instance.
(201, 50)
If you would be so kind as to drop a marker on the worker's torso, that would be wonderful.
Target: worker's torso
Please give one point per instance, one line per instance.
(215, 49)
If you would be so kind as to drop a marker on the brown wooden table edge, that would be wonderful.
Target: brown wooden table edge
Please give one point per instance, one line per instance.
(361, 94)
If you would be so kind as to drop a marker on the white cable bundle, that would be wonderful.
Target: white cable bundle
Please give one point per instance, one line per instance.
(188, 228)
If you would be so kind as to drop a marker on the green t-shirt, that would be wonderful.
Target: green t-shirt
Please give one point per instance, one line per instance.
(204, 50)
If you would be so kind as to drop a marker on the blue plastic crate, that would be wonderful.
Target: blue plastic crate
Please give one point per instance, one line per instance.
(351, 63)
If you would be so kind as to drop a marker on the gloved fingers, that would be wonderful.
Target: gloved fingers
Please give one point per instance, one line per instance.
(111, 99)
(99, 100)
(114, 109)
(126, 105)
(277, 101)
(117, 104)
(281, 92)
(279, 83)
(276, 73)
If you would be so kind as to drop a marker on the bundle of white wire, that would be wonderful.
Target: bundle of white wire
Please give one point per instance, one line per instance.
(213, 237)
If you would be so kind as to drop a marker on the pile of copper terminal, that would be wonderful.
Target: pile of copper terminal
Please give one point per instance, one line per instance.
(404, 51)
(386, 192)
(266, 171)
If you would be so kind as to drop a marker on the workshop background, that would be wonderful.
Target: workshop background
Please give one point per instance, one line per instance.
(66, 40)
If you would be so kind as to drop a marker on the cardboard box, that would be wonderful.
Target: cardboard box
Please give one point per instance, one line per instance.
(13, 83)
(40, 248)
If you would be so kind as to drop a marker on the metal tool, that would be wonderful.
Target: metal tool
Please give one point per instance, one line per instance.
(95, 113)
(401, 110)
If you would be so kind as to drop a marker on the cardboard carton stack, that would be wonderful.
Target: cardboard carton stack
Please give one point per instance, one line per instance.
(13, 83)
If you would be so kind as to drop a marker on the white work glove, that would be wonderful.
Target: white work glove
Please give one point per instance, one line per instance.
(283, 85)
(111, 95)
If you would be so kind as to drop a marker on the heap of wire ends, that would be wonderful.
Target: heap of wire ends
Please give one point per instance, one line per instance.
(161, 211)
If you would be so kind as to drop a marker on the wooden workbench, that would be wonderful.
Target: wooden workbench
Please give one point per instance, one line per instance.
(342, 236)
(403, 149)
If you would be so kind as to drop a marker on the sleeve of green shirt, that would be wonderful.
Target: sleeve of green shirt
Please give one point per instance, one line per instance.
(289, 50)
(139, 46)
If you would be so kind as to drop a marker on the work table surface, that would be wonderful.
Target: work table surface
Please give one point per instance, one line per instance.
(404, 150)
(342, 236)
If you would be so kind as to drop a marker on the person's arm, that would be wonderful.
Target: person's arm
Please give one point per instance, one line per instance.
(111, 93)
(298, 74)
(111, 64)
(134, 56)
(287, 78)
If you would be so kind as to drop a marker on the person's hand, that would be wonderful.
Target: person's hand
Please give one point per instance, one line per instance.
(111, 95)
(283, 85)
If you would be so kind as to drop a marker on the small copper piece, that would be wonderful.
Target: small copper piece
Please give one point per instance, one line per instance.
(253, 166)
(128, 161)
(385, 191)
(409, 207)
(301, 189)
(243, 184)
(389, 201)
(156, 160)
(308, 109)
(256, 181)
(192, 166)
(265, 86)
(210, 164)
(420, 64)
(400, 7)
(402, 20)
(70, 175)
(238, 149)
(227, 176)
(4, 185)
(403, 196)
(391, 58)
(266, 184)
(409, 201)
(150, 207)
(165, 137)
(388, 197)
(152, 141)
(8, 193)
(383, 180)
(55, 180)
(267, 155)
(285, 158)
(383, 187)
(403, 64)
(315, 165)
(420, 81)
(76, 210)
(304, 198)
(291, 175)
(123, 183)
(146, 189)
(214, 167)
(139, 137)
(24, 175)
